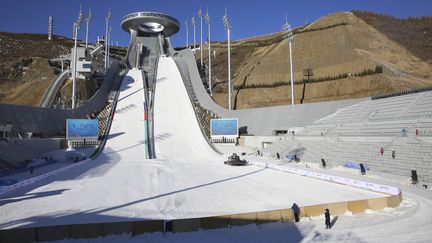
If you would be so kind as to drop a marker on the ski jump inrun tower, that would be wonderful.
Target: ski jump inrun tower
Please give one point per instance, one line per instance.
(148, 33)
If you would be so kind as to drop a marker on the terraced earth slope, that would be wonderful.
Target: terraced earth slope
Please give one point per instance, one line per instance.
(349, 59)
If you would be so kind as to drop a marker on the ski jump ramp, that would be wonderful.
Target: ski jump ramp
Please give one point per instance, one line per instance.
(188, 179)
(177, 132)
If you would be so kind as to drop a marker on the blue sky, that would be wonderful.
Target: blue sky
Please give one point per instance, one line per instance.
(248, 18)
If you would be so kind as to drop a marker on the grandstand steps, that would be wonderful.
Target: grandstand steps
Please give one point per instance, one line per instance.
(418, 99)
(356, 134)
(410, 152)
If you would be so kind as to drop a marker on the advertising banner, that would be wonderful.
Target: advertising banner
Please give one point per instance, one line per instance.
(336, 179)
(79, 129)
(224, 128)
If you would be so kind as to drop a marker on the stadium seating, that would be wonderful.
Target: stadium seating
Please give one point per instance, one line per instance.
(356, 134)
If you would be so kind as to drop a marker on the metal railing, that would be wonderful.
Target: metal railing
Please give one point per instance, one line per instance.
(116, 92)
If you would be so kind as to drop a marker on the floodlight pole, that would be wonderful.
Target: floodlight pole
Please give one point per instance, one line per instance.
(74, 60)
(107, 19)
(73, 30)
(74, 67)
(187, 34)
(50, 27)
(207, 18)
(200, 15)
(292, 75)
(194, 31)
(88, 19)
(228, 29)
(87, 27)
(109, 45)
(229, 69)
(287, 30)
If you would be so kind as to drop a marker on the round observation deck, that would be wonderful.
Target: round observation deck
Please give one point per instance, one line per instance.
(150, 22)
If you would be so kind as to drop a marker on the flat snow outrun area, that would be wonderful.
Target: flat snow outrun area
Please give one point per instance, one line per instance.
(187, 180)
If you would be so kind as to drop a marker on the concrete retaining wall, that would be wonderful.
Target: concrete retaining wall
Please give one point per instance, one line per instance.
(142, 227)
(242, 219)
(52, 233)
(394, 201)
(316, 210)
(186, 225)
(269, 216)
(287, 215)
(358, 206)
(377, 203)
(215, 222)
(338, 208)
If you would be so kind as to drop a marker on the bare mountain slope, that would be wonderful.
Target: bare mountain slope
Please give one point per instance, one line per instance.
(25, 72)
(412, 33)
(31, 85)
(338, 45)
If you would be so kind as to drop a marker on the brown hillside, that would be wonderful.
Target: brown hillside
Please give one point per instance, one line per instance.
(29, 90)
(25, 72)
(415, 34)
(334, 45)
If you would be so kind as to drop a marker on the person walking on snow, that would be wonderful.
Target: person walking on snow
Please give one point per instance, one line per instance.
(382, 150)
(327, 218)
(393, 153)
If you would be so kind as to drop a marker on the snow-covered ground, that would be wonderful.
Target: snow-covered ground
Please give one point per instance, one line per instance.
(188, 179)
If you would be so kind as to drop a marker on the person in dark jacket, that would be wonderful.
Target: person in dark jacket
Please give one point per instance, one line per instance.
(296, 212)
(393, 154)
(327, 218)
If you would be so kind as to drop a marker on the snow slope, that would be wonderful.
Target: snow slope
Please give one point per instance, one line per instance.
(177, 131)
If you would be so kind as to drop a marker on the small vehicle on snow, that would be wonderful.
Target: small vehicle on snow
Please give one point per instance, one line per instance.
(234, 159)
